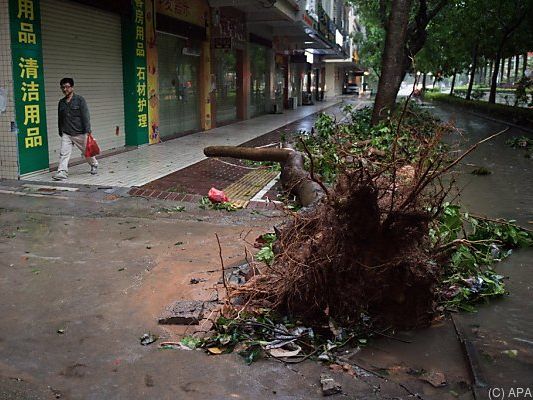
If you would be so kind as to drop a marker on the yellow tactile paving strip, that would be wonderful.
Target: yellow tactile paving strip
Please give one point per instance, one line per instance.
(241, 191)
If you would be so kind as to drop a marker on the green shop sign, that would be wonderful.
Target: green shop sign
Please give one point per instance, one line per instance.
(135, 75)
(28, 78)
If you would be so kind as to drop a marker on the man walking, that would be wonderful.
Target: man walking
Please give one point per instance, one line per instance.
(74, 126)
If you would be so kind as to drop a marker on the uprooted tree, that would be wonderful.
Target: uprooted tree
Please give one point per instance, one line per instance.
(363, 248)
(378, 248)
(379, 245)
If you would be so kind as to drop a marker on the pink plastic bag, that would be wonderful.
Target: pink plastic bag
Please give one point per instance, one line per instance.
(217, 196)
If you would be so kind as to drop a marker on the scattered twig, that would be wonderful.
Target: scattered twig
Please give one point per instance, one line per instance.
(291, 361)
(466, 242)
(471, 149)
(392, 337)
(222, 264)
(499, 221)
(381, 376)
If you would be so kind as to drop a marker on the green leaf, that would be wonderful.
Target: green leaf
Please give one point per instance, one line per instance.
(251, 354)
(266, 254)
(191, 342)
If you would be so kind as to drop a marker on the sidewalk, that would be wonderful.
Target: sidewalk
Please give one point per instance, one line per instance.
(148, 163)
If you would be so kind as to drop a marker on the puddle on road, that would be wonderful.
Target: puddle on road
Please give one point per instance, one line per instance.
(506, 324)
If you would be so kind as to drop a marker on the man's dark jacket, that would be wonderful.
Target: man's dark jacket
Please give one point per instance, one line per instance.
(73, 116)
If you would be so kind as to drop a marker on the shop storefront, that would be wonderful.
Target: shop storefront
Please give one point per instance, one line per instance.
(318, 82)
(179, 94)
(100, 46)
(228, 63)
(259, 79)
(297, 73)
(178, 67)
(91, 60)
(226, 85)
(280, 83)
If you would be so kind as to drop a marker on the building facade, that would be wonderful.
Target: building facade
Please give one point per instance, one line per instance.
(152, 70)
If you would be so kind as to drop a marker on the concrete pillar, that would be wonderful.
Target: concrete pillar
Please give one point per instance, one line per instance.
(331, 87)
(206, 117)
(243, 82)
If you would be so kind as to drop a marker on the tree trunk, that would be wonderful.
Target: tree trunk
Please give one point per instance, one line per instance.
(479, 79)
(524, 66)
(249, 153)
(434, 81)
(502, 70)
(509, 60)
(392, 65)
(294, 177)
(494, 81)
(491, 68)
(516, 64)
(424, 76)
(472, 72)
(453, 82)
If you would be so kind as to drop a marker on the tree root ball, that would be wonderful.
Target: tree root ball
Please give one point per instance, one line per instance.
(360, 254)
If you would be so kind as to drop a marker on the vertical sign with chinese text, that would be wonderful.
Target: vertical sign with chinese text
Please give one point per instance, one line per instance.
(152, 61)
(28, 85)
(135, 75)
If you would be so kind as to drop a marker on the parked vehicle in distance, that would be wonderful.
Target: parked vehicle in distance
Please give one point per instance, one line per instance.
(350, 88)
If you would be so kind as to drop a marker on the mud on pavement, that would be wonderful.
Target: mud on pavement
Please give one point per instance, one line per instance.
(84, 276)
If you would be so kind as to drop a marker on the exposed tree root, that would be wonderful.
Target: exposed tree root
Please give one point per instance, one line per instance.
(354, 256)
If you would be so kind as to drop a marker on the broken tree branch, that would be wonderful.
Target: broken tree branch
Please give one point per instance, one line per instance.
(222, 264)
(312, 171)
(249, 153)
(294, 177)
(471, 149)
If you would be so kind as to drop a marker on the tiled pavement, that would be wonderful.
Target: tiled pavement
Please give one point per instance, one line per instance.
(155, 171)
(148, 163)
(225, 173)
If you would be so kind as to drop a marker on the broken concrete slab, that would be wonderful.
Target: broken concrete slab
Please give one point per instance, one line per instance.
(329, 386)
(187, 312)
(183, 312)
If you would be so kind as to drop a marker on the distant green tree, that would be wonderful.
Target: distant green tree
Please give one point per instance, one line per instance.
(508, 17)
(437, 55)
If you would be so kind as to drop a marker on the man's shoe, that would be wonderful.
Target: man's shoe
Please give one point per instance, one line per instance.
(94, 169)
(60, 176)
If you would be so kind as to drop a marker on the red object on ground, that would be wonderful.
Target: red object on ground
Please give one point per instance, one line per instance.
(91, 148)
(217, 196)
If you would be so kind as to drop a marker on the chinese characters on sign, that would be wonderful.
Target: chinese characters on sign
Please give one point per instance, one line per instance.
(29, 73)
(29, 70)
(140, 69)
(28, 76)
(177, 7)
(193, 11)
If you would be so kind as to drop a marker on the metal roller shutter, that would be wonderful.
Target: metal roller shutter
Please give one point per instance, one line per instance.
(84, 43)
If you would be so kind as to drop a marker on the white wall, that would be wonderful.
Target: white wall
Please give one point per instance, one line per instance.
(8, 140)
